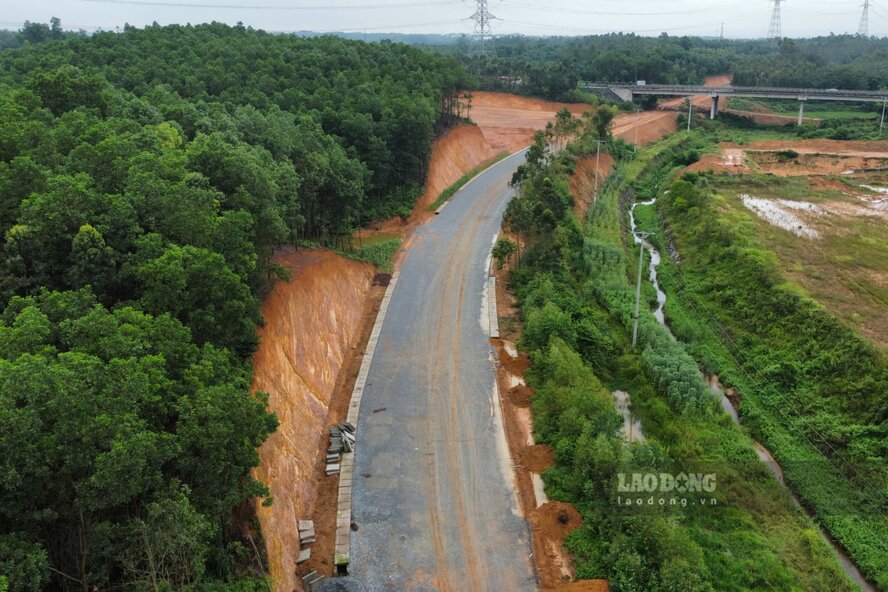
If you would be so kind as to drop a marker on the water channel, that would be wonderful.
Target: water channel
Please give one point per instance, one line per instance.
(716, 387)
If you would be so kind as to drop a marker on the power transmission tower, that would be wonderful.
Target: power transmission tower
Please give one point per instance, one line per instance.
(774, 27)
(482, 32)
(863, 28)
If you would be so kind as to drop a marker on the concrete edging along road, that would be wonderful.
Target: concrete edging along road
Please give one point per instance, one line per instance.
(343, 507)
(491, 307)
(481, 172)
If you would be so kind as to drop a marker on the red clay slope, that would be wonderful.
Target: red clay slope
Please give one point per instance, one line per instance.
(311, 323)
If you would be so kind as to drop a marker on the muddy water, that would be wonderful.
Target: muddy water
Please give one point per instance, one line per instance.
(716, 387)
(631, 429)
(652, 267)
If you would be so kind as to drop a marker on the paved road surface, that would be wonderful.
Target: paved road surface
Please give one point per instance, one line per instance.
(432, 495)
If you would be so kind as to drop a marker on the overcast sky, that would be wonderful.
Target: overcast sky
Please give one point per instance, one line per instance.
(741, 18)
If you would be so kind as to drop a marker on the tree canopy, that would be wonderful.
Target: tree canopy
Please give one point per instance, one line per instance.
(146, 178)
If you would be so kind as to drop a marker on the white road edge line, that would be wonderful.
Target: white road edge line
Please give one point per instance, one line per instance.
(343, 509)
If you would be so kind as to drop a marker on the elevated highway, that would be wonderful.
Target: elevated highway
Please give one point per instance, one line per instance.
(629, 92)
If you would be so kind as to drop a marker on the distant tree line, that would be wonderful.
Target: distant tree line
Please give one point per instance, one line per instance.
(550, 67)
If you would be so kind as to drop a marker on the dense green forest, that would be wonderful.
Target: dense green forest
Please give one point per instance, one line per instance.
(550, 67)
(145, 179)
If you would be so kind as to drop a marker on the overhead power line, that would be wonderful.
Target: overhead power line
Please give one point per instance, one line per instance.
(589, 31)
(276, 7)
(548, 8)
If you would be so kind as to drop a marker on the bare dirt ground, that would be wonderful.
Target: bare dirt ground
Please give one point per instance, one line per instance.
(701, 102)
(313, 323)
(837, 248)
(816, 157)
(651, 126)
(508, 122)
(582, 182)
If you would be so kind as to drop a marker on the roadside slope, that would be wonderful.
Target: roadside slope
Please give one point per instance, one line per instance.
(311, 324)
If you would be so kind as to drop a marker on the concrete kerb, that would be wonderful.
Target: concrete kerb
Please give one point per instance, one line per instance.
(470, 181)
(491, 307)
(343, 512)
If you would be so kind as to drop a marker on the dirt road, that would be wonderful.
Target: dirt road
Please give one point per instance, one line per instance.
(433, 499)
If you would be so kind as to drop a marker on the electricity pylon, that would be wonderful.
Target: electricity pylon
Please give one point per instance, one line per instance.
(774, 27)
(482, 31)
(863, 28)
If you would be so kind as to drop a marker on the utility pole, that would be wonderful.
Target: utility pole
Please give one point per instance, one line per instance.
(597, 159)
(863, 28)
(642, 236)
(690, 108)
(482, 32)
(882, 121)
(637, 112)
(721, 34)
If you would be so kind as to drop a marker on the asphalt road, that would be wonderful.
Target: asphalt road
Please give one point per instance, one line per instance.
(433, 496)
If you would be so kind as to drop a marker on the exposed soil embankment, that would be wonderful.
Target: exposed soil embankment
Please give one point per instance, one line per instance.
(453, 155)
(311, 324)
(582, 182)
(508, 122)
(813, 157)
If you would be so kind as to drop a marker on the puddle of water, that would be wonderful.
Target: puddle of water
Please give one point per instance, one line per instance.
(631, 430)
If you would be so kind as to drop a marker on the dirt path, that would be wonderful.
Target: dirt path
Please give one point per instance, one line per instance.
(700, 102)
(650, 125)
(814, 157)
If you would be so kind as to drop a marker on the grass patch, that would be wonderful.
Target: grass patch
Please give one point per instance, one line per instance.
(376, 238)
(380, 254)
(450, 191)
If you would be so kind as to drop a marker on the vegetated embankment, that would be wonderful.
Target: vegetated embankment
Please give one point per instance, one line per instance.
(311, 325)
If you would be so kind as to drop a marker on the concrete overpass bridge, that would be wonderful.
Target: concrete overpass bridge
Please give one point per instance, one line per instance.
(628, 92)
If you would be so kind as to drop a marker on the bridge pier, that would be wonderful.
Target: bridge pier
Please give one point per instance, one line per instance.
(713, 107)
(802, 109)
